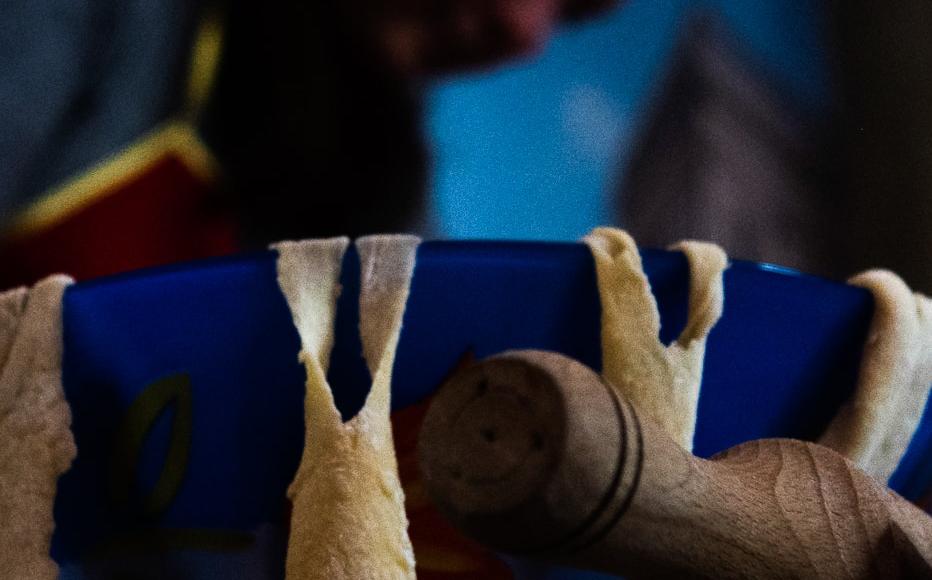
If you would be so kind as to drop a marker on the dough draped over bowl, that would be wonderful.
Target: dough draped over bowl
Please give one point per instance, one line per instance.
(348, 518)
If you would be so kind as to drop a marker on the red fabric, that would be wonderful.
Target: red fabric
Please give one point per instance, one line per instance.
(441, 552)
(158, 216)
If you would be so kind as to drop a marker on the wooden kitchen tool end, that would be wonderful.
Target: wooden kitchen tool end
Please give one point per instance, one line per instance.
(530, 452)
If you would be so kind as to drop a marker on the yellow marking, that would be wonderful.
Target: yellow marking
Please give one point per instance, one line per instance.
(173, 138)
(202, 67)
(171, 392)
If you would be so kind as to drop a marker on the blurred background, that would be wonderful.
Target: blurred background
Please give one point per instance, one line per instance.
(145, 132)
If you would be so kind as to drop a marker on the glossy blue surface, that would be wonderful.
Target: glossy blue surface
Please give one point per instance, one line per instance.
(779, 363)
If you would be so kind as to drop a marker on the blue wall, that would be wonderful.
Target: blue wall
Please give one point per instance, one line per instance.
(533, 150)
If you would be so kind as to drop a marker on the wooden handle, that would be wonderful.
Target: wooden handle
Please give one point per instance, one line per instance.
(532, 453)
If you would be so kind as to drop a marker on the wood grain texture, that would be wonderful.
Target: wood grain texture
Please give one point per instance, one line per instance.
(534, 454)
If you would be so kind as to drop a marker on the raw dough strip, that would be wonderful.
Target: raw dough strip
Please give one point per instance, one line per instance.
(659, 380)
(875, 426)
(348, 519)
(309, 277)
(387, 266)
(36, 444)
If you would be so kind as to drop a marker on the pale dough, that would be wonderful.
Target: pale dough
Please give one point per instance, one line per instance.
(36, 444)
(660, 381)
(348, 519)
(875, 426)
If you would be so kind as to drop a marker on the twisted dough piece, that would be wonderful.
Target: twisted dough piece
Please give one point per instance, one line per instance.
(661, 381)
(36, 444)
(348, 519)
(873, 429)
(875, 426)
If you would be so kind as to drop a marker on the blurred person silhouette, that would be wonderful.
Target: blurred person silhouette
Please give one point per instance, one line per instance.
(145, 133)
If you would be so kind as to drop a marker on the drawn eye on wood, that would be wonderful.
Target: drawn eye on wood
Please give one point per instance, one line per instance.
(172, 393)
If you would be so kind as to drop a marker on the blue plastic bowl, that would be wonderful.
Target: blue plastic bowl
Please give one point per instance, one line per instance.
(187, 394)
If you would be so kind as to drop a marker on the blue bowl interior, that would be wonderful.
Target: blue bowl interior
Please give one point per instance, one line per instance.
(226, 421)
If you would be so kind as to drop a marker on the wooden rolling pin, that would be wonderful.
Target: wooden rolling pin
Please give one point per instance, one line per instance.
(533, 454)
